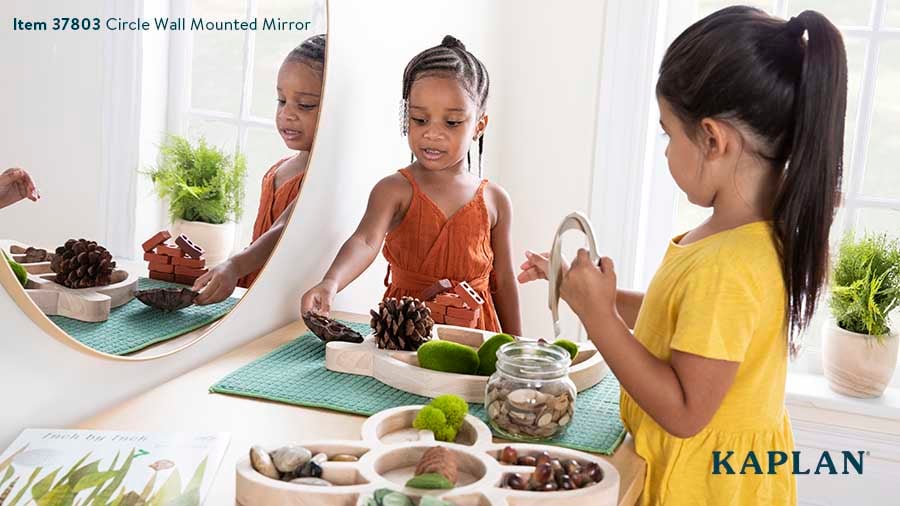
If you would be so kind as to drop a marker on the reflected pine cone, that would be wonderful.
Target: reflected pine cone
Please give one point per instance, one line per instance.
(82, 264)
(401, 325)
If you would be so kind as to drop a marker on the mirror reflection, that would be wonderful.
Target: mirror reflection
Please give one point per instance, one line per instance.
(179, 154)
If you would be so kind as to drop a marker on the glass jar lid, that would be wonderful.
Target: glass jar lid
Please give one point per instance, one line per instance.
(533, 360)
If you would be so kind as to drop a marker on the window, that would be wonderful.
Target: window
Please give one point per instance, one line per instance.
(871, 30)
(222, 84)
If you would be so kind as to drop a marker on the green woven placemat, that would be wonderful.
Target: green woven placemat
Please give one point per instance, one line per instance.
(295, 374)
(135, 326)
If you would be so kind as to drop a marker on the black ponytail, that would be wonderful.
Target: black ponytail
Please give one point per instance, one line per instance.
(808, 194)
(788, 98)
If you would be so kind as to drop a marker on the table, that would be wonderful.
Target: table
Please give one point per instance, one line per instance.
(185, 404)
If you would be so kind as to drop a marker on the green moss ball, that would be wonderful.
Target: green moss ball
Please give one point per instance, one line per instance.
(569, 346)
(487, 353)
(447, 356)
(453, 407)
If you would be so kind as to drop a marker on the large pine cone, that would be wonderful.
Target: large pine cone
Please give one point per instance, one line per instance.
(401, 325)
(82, 264)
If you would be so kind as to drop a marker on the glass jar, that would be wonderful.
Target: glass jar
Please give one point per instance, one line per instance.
(530, 396)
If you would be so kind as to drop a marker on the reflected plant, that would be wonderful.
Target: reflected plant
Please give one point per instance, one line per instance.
(200, 182)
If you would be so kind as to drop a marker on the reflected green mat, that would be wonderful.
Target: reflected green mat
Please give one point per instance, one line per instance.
(295, 374)
(135, 326)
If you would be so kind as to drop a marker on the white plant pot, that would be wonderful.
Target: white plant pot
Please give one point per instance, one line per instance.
(216, 240)
(856, 364)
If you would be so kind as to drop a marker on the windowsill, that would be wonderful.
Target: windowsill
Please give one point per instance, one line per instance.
(811, 390)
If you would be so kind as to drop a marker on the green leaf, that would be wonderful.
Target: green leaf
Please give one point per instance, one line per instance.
(34, 475)
(8, 462)
(10, 471)
(197, 479)
(73, 469)
(95, 479)
(148, 488)
(169, 491)
(83, 471)
(104, 496)
(43, 486)
(56, 497)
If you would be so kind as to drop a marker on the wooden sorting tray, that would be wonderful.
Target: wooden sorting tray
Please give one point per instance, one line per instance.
(400, 369)
(391, 448)
(84, 304)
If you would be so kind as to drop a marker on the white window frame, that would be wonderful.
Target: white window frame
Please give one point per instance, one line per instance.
(633, 197)
(180, 109)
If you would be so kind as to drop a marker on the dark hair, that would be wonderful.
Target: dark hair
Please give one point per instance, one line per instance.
(787, 97)
(310, 52)
(450, 59)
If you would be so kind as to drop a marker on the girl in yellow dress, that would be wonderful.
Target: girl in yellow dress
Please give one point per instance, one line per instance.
(754, 112)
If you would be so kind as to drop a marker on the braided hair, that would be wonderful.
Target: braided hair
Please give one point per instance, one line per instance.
(311, 52)
(449, 59)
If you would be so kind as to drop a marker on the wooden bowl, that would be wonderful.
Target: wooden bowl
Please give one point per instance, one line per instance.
(386, 463)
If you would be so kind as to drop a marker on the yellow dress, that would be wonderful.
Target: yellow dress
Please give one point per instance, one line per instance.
(721, 297)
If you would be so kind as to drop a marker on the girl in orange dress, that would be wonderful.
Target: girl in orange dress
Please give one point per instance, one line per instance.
(435, 219)
(299, 90)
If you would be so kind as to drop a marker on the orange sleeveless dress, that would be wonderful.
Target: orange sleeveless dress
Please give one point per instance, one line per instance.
(272, 202)
(427, 246)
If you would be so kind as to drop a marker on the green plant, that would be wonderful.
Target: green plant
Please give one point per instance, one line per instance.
(443, 416)
(865, 284)
(200, 182)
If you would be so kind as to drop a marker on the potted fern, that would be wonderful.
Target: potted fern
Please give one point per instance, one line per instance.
(205, 191)
(859, 347)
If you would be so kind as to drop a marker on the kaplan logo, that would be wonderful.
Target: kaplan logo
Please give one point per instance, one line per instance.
(727, 462)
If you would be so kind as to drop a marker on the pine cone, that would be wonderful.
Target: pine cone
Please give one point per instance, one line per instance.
(82, 264)
(401, 325)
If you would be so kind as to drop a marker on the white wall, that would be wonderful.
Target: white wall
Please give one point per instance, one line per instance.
(51, 102)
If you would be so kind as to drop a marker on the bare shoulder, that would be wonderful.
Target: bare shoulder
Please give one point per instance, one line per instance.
(498, 202)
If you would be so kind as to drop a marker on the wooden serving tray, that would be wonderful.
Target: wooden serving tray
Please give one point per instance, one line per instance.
(388, 454)
(400, 369)
(84, 304)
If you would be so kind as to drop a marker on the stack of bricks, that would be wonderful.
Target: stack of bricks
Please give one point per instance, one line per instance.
(453, 304)
(181, 262)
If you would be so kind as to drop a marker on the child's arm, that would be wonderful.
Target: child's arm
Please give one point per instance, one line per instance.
(507, 297)
(219, 283)
(681, 396)
(358, 252)
(535, 266)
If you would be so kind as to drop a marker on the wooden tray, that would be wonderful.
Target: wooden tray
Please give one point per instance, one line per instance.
(84, 304)
(400, 369)
(387, 460)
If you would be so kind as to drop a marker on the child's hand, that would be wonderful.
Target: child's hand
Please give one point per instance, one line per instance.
(588, 289)
(537, 266)
(217, 284)
(318, 299)
(15, 185)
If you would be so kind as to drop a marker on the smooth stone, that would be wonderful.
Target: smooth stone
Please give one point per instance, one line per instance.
(523, 398)
(262, 463)
(319, 482)
(320, 458)
(288, 458)
(344, 457)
